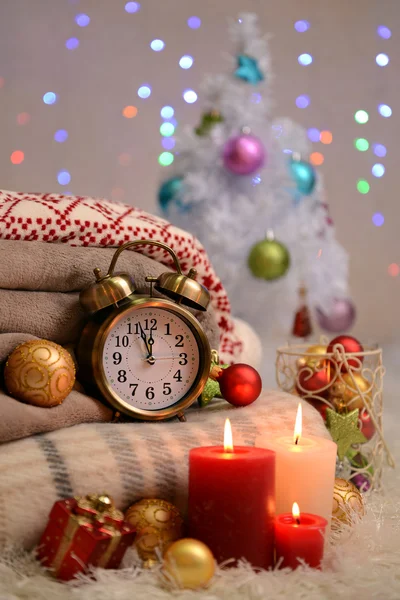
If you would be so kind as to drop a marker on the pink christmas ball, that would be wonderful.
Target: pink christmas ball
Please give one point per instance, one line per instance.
(340, 318)
(244, 154)
(361, 482)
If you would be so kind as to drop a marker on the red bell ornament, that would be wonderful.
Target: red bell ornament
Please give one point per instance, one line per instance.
(240, 384)
(366, 425)
(302, 321)
(350, 344)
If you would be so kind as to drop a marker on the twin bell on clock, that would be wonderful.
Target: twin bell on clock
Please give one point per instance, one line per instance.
(149, 357)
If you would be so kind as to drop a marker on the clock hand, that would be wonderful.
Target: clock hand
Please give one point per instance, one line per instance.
(162, 357)
(144, 338)
(150, 342)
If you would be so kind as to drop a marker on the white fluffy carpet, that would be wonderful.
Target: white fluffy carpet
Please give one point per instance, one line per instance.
(363, 565)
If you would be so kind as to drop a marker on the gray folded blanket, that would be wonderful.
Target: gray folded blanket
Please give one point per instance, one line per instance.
(39, 285)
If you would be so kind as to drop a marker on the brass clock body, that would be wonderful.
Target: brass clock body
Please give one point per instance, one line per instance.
(148, 357)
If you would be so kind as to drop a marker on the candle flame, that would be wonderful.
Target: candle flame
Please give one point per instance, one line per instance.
(298, 425)
(296, 512)
(228, 441)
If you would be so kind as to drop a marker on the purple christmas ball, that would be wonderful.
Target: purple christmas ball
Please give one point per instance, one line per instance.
(244, 154)
(361, 482)
(340, 318)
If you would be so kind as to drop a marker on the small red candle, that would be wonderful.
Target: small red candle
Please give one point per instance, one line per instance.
(299, 537)
(232, 501)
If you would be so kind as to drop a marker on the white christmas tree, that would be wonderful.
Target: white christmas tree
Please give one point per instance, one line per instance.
(242, 178)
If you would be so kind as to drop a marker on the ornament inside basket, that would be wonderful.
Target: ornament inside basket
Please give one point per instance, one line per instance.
(346, 388)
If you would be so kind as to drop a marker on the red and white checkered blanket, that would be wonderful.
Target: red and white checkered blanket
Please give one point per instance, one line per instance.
(84, 221)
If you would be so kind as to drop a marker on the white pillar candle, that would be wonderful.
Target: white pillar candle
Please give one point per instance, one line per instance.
(304, 472)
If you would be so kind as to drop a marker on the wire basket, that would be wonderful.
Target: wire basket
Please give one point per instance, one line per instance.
(343, 382)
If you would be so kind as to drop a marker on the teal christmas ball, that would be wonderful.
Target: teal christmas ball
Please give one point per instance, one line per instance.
(269, 259)
(303, 174)
(170, 191)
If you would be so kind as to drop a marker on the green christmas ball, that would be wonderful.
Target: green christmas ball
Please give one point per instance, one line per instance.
(269, 260)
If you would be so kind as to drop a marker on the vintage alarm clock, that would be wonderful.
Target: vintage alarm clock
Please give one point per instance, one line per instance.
(149, 357)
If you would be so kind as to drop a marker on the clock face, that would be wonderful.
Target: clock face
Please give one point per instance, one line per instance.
(150, 358)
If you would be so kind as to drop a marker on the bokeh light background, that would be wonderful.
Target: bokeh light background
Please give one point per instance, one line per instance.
(92, 93)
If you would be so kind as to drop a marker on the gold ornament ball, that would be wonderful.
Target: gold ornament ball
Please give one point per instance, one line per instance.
(158, 523)
(347, 501)
(189, 563)
(301, 363)
(351, 397)
(335, 397)
(269, 260)
(39, 372)
(315, 361)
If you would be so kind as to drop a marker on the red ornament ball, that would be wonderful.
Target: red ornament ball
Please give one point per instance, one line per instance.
(367, 427)
(313, 383)
(240, 384)
(350, 344)
(319, 405)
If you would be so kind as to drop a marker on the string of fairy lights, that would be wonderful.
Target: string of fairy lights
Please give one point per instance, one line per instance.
(362, 144)
(379, 150)
(361, 117)
(168, 122)
(304, 101)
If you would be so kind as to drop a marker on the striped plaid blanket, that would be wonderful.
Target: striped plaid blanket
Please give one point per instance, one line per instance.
(128, 461)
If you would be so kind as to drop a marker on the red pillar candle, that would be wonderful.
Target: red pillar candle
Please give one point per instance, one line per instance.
(232, 501)
(299, 537)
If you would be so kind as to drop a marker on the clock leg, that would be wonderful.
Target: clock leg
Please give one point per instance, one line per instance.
(181, 417)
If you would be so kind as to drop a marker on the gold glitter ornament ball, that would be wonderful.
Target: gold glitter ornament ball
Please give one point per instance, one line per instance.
(351, 396)
(39, 372)
(315, 361)
(348, 503)
(189, 563)
(158, 523)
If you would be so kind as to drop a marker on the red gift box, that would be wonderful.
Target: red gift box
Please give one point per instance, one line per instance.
(82, 532)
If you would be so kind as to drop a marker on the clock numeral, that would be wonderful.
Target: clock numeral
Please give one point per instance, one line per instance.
(167, 390)
(124, 341)
(178, 375)
(183, 357)
(117, 357)
(168, 328)
(122, 376)
(150, 393)
(179, 341)
(134, 387)
(153, 324)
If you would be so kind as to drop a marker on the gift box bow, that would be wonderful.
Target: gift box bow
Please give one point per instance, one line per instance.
(97, 511)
